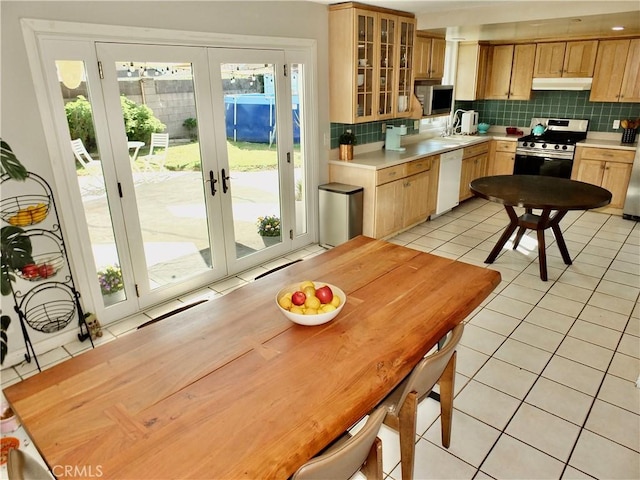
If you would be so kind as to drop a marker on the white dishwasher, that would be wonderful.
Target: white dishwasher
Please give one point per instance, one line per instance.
(449, 181)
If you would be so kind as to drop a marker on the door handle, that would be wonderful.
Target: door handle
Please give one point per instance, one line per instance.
(213, 182)
(225, 187)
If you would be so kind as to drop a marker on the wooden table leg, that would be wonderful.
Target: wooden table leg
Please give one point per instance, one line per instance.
(505, 235)
(543, 224)
(555, 227)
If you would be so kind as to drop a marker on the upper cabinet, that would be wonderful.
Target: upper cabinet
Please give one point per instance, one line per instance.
(616, 77)
(471, 71)
(371, 54)
(565, 59)
(510, 72)
(429, 57)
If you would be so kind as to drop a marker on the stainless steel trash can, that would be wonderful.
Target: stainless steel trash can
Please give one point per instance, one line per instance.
(340, 208)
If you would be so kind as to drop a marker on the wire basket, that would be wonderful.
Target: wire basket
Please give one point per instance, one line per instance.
(51, 316)
(48, 256)
(25, 210)
(629, 135)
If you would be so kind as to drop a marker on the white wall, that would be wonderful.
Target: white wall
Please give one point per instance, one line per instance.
(21, 124)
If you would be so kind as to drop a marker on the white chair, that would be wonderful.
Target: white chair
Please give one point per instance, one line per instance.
(402, 403)
(349, 454)
(81, 154)
(159, 141)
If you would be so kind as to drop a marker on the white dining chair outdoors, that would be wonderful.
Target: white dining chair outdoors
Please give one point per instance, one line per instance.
(81, 154)
(22, 466)
(402, 403)
(158, 149)
(349, 454)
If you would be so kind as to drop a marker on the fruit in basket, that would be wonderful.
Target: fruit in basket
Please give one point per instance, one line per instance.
(46, 270)
(29, 215)
(324, 294)
(298, 298)
(308, 300)
(313, 311)
(30, 271)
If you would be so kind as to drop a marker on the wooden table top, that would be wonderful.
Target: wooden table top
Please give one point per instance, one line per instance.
(539, 191)
(232, 389)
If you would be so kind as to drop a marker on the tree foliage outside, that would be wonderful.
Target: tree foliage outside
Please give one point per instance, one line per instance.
(139, 121)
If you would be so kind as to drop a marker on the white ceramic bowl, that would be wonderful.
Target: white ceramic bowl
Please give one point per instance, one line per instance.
(318, 319)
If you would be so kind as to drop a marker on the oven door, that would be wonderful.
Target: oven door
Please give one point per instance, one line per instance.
(540, 164)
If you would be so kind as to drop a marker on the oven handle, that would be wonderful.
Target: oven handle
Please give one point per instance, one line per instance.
(555, 156)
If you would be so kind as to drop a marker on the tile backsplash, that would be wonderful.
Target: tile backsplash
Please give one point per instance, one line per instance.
(552, 103)
(516, 113)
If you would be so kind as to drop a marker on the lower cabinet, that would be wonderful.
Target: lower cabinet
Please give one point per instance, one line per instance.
(474, 165)
(395, 198)
(502, 157)
(606, 167)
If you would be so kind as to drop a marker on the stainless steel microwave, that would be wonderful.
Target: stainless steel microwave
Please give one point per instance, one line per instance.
(435, 99)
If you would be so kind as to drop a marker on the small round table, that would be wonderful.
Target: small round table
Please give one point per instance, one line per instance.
(538, 192)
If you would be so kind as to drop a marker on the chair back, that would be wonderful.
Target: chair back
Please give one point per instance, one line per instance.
(80, 152)
(21, 466)
(426, 374)
(159, 141)
(344, 458)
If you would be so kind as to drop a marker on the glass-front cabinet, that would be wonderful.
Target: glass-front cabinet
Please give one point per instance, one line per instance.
(371, 63)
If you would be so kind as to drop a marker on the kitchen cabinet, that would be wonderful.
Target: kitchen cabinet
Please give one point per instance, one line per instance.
(565, 59)
(616, 77)
(429, 57)
(606, 167)
(370, 63)
(394, 198)
(502, 157)
(474, 165)
(471, 71)
(510, 72)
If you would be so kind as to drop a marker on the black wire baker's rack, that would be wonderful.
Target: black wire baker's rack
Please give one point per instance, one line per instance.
(44, 294)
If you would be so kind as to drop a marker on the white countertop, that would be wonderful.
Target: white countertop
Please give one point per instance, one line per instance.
(377, 159)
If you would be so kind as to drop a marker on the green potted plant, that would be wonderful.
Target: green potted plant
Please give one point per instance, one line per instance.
(269, 229)
(347, 140)
(15, 244)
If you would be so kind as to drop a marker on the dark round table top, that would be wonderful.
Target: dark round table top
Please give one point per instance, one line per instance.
(539, 191)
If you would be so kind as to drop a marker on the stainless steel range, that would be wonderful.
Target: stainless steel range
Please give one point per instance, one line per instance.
(550, 147)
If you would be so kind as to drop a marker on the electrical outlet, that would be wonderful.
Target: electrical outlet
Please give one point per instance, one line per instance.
(616, 124)
(416, 124)
(384, 127)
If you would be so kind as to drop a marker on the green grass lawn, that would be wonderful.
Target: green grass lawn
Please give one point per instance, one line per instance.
(243, 157)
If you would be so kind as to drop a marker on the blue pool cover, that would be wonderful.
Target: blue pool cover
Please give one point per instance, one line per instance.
(251, 117)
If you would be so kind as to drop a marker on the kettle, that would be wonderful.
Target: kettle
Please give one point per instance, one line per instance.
(538, 129)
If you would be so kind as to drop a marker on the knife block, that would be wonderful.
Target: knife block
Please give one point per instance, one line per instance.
(629, 135)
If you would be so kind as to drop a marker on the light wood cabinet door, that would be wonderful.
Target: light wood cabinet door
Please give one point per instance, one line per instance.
(416, 199)
(389, 206)
(579, 59)
(466, 176)
(403, 92)
(422, 62)
(609, 70)
(615, 178)
(471, 71)
(503, 163)
(522, 72)
(499, 80)
(630, 91)
(590, 171)
(438, 47)
(549, 60)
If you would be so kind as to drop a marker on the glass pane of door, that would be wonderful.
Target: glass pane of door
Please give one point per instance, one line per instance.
(76, 95)
(252, 176)
(299, 165)
(160, 119)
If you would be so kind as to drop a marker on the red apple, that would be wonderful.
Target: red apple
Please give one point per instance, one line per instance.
(298, 298)
(46, 270)
(324, 294)
(30, 271)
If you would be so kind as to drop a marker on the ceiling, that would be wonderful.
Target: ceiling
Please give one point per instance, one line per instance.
(514, 20)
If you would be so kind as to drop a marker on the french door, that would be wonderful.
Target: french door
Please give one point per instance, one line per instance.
(217, 197)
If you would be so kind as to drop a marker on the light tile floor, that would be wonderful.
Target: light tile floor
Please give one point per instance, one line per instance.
(545, 382)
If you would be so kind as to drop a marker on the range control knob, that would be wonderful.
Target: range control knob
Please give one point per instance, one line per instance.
(564, 147)
(557, 147)
(544, 145)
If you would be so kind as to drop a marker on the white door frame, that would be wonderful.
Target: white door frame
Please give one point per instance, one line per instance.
(38, 32)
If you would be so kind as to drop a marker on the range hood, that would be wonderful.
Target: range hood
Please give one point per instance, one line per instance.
(561, 84)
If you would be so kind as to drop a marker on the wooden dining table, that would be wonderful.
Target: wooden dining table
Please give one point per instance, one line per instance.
(232, 389)
(553, 196)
